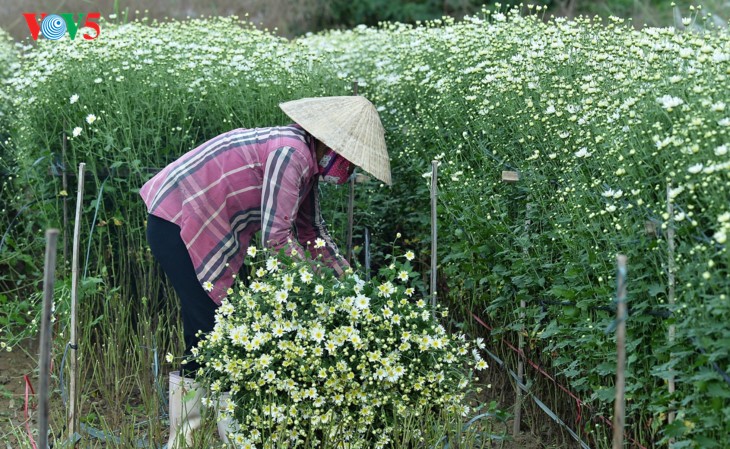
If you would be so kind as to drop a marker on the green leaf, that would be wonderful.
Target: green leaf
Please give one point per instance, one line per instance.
(718, 389)
(562, 291)
(607, 394)
(656, 289)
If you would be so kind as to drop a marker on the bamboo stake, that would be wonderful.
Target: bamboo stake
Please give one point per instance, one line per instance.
(521, 344)
(671, 281)
(73, 344)
(619, 417)
(49, 272)
(64, 184)
(434, 231)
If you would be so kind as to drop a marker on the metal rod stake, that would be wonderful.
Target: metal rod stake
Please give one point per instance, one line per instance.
(49, 273)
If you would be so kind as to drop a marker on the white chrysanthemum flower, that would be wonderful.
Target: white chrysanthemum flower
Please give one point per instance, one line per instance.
(721, 150)
(673, 193)
(238, 335)
(362, 302)
(272, 264)
(208, 286)
(281, 296)
(669, 102)
(91, 118)
(410, 255)
(277, 330)
(306, 277)
(77, 131)
(317, 333)
(583, 152)
(386, 289)
(696, 168)
(257, 286)
(270, 376)
(720, 236)
(74, 98)
(319, 243)
(251, 251)
(610, 193)
(226, 308)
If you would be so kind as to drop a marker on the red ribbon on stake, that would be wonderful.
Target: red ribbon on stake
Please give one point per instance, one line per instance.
(28, 391)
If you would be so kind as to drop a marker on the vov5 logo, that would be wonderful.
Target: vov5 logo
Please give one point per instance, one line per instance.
(54, 26)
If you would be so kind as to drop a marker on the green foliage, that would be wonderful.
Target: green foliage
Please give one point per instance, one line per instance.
(599, 120)
(10, 272)
(8, 59)
(371, 12)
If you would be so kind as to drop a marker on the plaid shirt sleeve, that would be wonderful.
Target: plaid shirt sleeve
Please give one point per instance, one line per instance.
(311, 226)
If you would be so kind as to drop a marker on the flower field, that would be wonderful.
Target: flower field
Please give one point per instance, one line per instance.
(620, 138)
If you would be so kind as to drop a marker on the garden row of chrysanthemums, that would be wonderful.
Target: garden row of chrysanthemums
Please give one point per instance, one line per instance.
(620, 138)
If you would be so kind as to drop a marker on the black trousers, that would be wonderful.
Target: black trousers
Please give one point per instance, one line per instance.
(196, 307)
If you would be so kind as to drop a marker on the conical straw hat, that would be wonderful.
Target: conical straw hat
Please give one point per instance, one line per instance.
(349, 125)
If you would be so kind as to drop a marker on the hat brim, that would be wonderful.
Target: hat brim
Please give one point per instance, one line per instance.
(350, 125)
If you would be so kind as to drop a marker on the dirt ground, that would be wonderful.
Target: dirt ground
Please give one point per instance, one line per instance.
(22, 361)
(14, 366)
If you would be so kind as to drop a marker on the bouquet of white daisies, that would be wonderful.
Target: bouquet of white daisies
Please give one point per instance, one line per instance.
(308, 359)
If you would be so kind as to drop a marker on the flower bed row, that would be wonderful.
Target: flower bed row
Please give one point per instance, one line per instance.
(604, 123)
(607, 126)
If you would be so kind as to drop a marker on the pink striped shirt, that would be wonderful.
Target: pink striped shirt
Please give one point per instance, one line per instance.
(234, 185)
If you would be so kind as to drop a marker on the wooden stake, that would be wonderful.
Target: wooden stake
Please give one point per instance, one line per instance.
(521, 344)
(513, 177)
(44, 362)
(434, 231)
(351, 206)
(74, 293)
(619, 418)
(670, 281)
